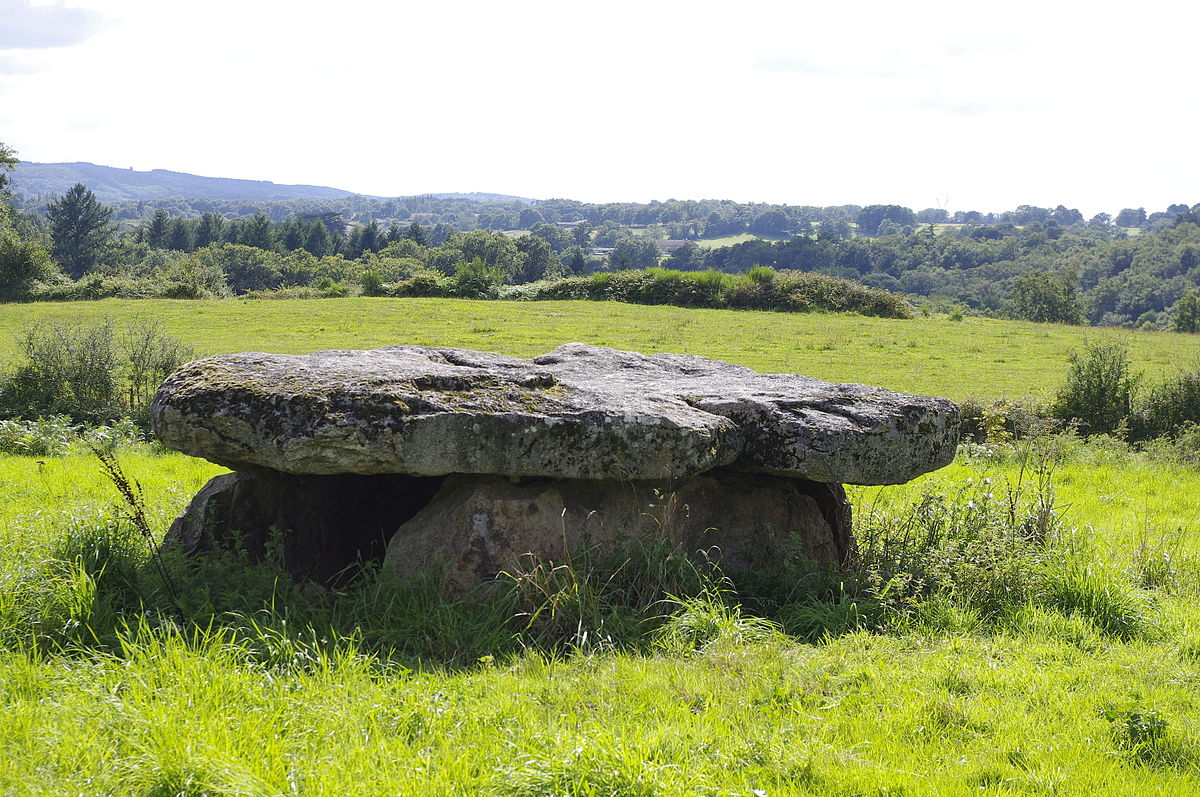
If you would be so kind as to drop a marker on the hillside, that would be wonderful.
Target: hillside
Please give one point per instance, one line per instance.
(111, 184)
(114, 185)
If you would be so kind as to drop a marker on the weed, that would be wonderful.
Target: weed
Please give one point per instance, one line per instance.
(134, 510)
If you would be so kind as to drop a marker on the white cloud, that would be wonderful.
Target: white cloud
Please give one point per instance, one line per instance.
(33, 26)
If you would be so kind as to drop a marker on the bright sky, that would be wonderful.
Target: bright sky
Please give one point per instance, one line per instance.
(962, 105)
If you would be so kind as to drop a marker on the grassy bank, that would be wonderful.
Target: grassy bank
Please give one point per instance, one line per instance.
(970, 358)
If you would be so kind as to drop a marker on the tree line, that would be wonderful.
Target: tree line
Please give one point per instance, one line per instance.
(1041, 264)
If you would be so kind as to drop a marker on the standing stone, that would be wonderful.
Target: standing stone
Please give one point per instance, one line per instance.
(478, 526)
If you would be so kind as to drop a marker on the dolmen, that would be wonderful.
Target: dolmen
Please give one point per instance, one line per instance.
(464, 463)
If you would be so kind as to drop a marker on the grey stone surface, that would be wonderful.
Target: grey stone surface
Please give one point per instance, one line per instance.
(578, 412)
(479, 526)
(470, 528)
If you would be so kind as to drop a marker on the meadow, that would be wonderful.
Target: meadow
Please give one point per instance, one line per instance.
(1024, 621)
(972, 358)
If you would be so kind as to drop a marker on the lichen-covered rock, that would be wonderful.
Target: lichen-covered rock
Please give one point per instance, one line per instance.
(579, 412)
(424, 411)
(790, 425)
(479, 526)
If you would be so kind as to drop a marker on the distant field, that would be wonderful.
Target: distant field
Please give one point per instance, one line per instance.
(971, 358)
(741, 238)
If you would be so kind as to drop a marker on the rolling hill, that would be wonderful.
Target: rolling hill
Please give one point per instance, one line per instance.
(111, 184)
(114, 185)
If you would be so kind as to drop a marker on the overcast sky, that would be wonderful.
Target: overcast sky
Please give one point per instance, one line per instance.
(926, 104)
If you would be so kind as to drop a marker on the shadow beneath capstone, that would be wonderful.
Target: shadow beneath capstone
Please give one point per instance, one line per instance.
(321, 528)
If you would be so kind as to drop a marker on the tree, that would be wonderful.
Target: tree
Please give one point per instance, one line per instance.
(833, 229)
(293, 236)
(496, 250)
(634, 253)
(258, 232)
(8, 159)
(1067, 216)
(371, 237)
(416, 232)
(870, 217)
(1045, 297)
(246, 268)
(575, 260)
(771, 222)
(582, 233)
(393, 234)
(440, 233)
(529, 218)
(79, 229)
(179, 236)
(156, 230)
(1187, 312)
(1128, 217)
(689, 257)
(317, 240)
(538, 260)
(22, 263)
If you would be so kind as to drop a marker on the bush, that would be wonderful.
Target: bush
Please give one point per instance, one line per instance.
(1181, 448)
(22, 264)
(372, 283)
(477, 280)
(999, 421)
(90, 373)
(759, 289)
(1099, 390)
(980, 555)
(1171, 404)
(427, 284)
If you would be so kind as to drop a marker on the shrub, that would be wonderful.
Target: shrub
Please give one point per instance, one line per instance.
(760, 274)
(22, 264)
(90, 373)
(43, 437)
(477, 280)
(372, 283)
(427, 284)
(1182, 447)
(1171, 404)
(999, 421)
(1099, 389)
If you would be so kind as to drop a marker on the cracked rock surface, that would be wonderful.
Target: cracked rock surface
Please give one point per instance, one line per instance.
(579, 412)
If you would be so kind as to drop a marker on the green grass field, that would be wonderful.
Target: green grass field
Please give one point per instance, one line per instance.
(974, 357)
(263, 700)
(972, 651)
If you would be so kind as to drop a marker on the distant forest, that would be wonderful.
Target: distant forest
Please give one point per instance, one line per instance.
(1133, 269)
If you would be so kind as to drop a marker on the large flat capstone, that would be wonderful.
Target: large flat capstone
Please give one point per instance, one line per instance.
(579, 412)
